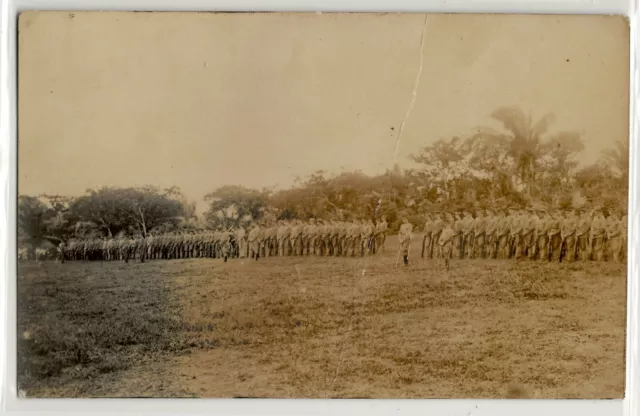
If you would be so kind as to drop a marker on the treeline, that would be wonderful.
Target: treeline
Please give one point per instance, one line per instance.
(518, 165)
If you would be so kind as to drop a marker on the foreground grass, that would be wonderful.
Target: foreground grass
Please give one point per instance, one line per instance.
(313, 327)
(483, 329)
(82, 321)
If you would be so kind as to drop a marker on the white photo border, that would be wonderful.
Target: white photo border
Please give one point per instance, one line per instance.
(10, 404)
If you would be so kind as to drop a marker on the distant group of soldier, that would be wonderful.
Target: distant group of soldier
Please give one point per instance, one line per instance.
(282, 238)
(535, 234)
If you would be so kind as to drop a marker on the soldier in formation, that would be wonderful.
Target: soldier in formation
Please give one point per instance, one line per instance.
(574, 235)
(264, 239)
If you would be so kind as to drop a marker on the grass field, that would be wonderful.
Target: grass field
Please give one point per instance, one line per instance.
(322, 327)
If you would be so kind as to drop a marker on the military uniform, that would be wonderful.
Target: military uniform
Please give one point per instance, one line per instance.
(404, 236)
(458, 242)
(479, 226)
(598, 236)
(62, 252)
(503, 234)
(436, 230)
(426, 239)
(468, 235)
(381, 235)
(254, 242)
(569, 228)
(555, 238)
(445, 240)
(614, 238)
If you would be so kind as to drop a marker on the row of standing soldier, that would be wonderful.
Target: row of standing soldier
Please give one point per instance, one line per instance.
(284, 238)
(534, 234)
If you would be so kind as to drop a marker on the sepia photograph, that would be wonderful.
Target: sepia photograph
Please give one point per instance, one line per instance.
(322, 205)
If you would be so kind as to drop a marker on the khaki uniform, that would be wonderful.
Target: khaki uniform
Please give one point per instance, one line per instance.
(241, 241)
(334, 239)
(343, 238)
(614, 239)
(426, 239)
(255, 239)
(366, 234)
(529, 236)
(479, 237)
(598, 237)
(504, 235)
(381, 236)
(436, 230)
(491, 236)
(517, 228)
(282, 239)
(458, 242)
(404, 236)
(468, 236)
(445, 241)
(555, 238)
(568, 234)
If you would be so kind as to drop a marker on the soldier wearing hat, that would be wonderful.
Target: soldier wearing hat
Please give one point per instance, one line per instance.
(445, 238)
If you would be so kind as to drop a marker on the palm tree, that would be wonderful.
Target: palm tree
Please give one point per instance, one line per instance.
(521, 140)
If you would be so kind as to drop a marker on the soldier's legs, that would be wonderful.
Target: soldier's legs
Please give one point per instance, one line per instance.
(457, 246)
(446, 252)
(555, 247)
(570, 249)
(503, 247)
(598, 249)
(615, 249)
(543, 248)
(469, 241)
(405, 251)
(581, 249)
(478, 247)
(517, 246)
(492, 247)
(488, 247)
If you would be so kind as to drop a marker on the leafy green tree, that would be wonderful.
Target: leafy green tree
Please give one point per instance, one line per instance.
(33, 215)
(234, 205)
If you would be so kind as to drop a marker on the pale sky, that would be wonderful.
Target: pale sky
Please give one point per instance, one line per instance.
(205, 100)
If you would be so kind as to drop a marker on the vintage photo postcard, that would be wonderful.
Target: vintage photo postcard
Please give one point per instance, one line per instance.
(345, 205)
